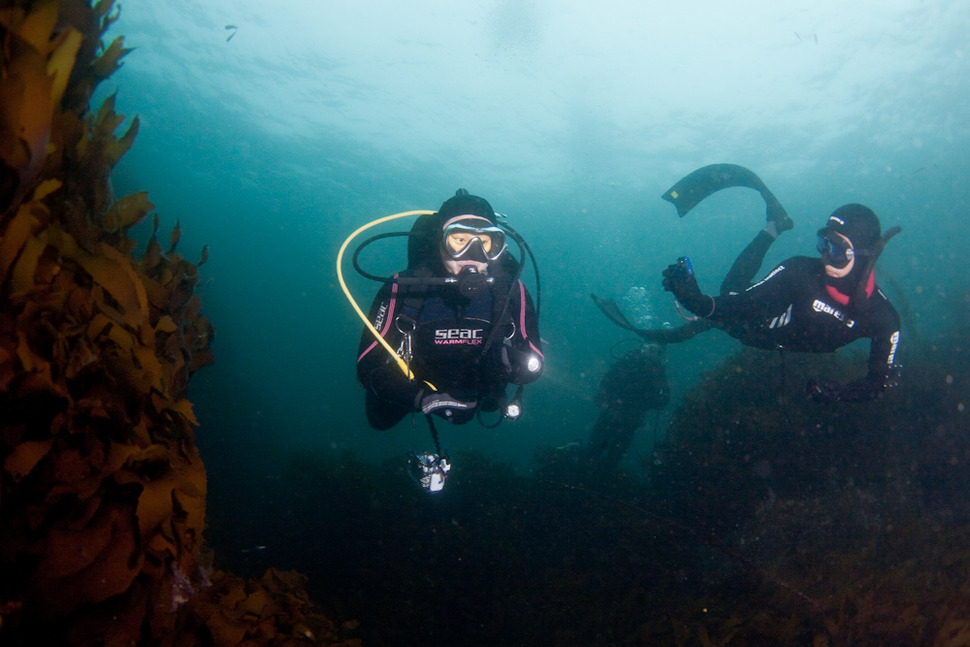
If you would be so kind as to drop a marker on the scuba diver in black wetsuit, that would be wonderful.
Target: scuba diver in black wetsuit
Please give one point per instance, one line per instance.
(461, 361)
(810, 304)
(462, 323)
(634, 384)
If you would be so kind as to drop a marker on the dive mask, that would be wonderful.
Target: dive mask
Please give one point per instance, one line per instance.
(835, 253)
(463, 238)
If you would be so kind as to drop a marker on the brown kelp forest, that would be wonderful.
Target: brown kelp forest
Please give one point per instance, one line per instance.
(103, 496)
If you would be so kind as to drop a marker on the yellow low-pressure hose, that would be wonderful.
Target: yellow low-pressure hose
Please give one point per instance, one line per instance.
(360, 313)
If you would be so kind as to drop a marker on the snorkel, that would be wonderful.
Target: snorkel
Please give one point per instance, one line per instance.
(860, 292)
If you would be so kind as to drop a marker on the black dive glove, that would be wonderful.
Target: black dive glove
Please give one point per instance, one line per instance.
(868, 388)
(679, 279)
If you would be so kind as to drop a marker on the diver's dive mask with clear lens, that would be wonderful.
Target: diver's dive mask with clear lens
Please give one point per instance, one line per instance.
(834, 253)
(464, 238)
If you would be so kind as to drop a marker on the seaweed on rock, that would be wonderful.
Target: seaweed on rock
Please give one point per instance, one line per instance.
(854, 516)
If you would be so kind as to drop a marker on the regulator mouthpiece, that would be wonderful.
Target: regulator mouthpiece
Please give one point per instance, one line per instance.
(471, 282)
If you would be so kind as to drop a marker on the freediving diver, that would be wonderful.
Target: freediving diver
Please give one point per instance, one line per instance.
(806, 304)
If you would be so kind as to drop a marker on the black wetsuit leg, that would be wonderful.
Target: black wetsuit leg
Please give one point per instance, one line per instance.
(747, 264)
(610, 439)
(634, 384)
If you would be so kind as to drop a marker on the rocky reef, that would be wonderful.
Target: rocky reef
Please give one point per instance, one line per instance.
(762, 518)
(103, 492)
(843, 525)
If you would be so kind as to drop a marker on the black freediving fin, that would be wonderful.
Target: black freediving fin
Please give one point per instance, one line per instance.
(696, 186)
(662, 336)
(609, 308)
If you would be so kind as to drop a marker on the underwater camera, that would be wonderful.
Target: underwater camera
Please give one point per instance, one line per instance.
(428, 470)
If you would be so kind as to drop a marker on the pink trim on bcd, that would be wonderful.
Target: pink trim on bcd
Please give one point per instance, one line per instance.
(525, 334)
(392, 304)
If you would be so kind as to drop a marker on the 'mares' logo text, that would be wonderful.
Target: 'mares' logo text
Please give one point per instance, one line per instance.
(820, 306)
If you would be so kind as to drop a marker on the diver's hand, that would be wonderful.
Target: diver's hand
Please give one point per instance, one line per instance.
(444, 404)
(824, 392)
(871, 387)
(679, 279)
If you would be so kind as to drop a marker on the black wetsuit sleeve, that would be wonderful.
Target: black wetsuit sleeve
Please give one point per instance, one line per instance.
(524, 357)
(735, 311)
(882, 371)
